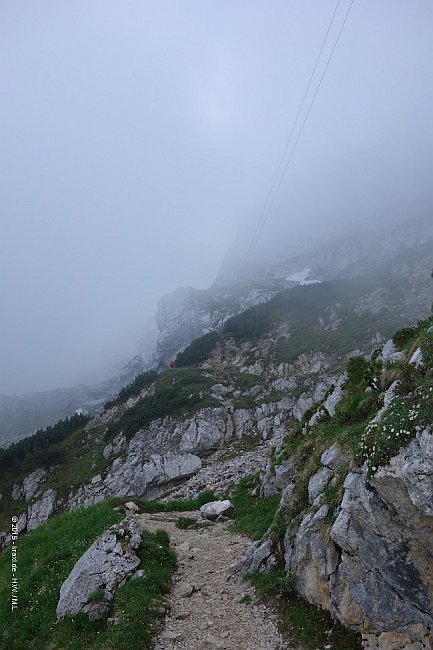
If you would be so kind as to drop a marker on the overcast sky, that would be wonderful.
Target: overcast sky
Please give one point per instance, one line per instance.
(138, 137)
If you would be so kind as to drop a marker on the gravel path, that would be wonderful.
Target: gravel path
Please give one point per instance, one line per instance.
(206, 611)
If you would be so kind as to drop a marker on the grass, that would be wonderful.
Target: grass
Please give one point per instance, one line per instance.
(178, 392)
(183, 523)
(45, 559)
(382, 440)
(253, 515)
(305, 625)
(244, 402)
(83, 459)
(180, 505)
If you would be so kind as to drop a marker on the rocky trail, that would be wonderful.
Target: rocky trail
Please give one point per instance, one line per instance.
(206, 609)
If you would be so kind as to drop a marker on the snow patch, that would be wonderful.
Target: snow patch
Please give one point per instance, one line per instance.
(301, 277)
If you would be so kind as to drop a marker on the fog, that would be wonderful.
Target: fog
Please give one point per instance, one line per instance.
(139, 140)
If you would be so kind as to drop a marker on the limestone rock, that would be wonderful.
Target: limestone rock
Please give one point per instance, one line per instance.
(32, 482)
(384, 579)
(213, 509)
(22, 523)
(333, 457)
(373, 571)
(318, 482)
(302, 405)
(417, 358)
(115, 447)
(313, 558)
(258, 557)
(389, 353)
(41, 510)
(276, 478)
(335, 397)
(104, 567)
(130, 505)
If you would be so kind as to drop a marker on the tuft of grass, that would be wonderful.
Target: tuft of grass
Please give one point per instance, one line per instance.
(185, 522)
(180, 505)
(244, 402)
(305, 625)
(310, 627)
(272, 584)
(253, 515)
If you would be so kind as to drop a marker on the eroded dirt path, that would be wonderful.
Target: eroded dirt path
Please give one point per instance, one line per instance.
(206, 611)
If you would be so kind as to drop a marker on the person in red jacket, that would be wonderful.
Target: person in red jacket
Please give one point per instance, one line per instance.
(171, 364)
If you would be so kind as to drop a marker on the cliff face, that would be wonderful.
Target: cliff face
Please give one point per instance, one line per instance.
(373, 569)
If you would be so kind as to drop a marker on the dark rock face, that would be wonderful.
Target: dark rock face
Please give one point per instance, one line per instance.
(375, 569)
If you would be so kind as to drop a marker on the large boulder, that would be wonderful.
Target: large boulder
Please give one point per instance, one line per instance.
(214, 509)
(104, 568)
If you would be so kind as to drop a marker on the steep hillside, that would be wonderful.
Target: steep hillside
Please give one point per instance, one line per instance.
(315, 425)
(402, 255)
(22, 415)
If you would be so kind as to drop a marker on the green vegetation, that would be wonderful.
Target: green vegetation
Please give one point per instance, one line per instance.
(352, 333)
(46, 558)
(275, 583)
(133, 389)
(38, 450)
(403, 337)
(302, 306)
(82, 459)
(181, 505)
(198, 350)
(185, 522)
(414, 408)
(305, 625)
(245, 380)
(177, 392)
(244, 402)
(253, 515)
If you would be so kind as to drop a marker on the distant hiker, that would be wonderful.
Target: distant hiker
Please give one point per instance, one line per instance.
(171, 364)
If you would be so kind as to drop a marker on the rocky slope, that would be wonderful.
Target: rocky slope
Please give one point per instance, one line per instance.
(401, 252)
(304, 395)
(355, 526)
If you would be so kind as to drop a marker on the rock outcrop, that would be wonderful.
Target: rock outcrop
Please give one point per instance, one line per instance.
(104, 568)
(374, 568)
(41, 510)
(171, 449)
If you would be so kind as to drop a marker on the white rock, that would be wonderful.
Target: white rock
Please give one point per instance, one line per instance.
(318, 482)
(130, 505)
(41, 510)
(215, 508)
(417, 358)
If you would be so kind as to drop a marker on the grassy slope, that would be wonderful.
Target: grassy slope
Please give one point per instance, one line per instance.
(45, 559)
(82, 459)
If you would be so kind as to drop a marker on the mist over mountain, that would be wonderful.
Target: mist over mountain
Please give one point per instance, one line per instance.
(139, 142)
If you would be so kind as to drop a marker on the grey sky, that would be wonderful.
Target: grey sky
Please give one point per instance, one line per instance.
(137, 137)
